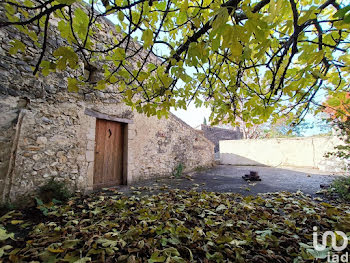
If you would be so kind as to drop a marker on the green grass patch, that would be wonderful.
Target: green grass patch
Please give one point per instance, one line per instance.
(341, 187)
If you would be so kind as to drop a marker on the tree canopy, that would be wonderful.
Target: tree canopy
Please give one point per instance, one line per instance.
(337, 107)
(258, 60)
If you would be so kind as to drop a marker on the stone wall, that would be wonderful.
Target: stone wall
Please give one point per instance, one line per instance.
(298, 152)
(45, 131)
(215, 134)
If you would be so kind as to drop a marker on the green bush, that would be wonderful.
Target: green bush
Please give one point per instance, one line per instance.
(54, 191)
(341, 187)
(178, 170)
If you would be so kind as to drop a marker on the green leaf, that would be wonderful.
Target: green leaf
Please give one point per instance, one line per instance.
(119, 54)
(16, 222)
(67, 2)
(310, 14)
(181, 18)
(71, 243)
(215, 44)
(347, 19)
(80, 24)
(151, 67)
(236, 49)
(3, 249)
(67, 57)
(121, 16)
(221, 18)
(147, 37)
(4, 235)
(156, 258)
(184, 6)
(65, 30)
(128, 94)
(341, 12)
(273, 10)
(101, 85)
(161, 5)
(73, 85)
(16, 45)
(315, 254)
(221, 207)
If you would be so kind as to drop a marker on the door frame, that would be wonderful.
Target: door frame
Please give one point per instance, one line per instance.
(92, 116)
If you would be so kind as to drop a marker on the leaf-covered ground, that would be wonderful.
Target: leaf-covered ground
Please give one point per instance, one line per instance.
(176, 226)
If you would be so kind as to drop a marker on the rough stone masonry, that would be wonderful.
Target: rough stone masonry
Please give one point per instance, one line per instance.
(45, 131)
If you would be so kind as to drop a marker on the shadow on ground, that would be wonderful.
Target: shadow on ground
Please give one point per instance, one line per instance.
(228, 178)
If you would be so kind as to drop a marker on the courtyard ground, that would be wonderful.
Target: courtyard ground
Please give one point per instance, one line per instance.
(206, 216)
(228, 178)
(174, 226)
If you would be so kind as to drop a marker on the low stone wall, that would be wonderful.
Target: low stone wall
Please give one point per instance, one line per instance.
(299, 152)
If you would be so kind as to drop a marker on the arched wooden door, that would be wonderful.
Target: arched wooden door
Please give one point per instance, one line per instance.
(109, 151)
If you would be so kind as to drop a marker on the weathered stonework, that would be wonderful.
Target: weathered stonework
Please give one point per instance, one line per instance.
(45, 131)
(215, 134)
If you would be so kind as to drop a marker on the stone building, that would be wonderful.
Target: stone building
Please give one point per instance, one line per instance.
(216, 134)
(89, 139)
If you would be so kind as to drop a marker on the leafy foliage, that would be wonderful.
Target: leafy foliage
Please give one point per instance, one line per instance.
(178, 170)
(337, 107)
(177, 226)
(53, 191)
(4, 235)
(343, 150)
(253, 59)
(341, 187)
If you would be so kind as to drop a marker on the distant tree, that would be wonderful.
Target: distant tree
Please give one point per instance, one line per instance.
(337, 107)
(250, 131)
(205, 121)
(276, 129)
(258, 59)
(280, 128)
(319, 124)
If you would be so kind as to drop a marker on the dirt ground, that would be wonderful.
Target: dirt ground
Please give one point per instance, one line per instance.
(228, 178)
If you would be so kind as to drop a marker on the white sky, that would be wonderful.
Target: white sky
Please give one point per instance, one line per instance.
(193, 116)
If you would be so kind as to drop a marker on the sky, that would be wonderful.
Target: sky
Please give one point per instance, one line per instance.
(193, 116)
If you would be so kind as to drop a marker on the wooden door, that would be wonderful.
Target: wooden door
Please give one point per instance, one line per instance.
(108, 153)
